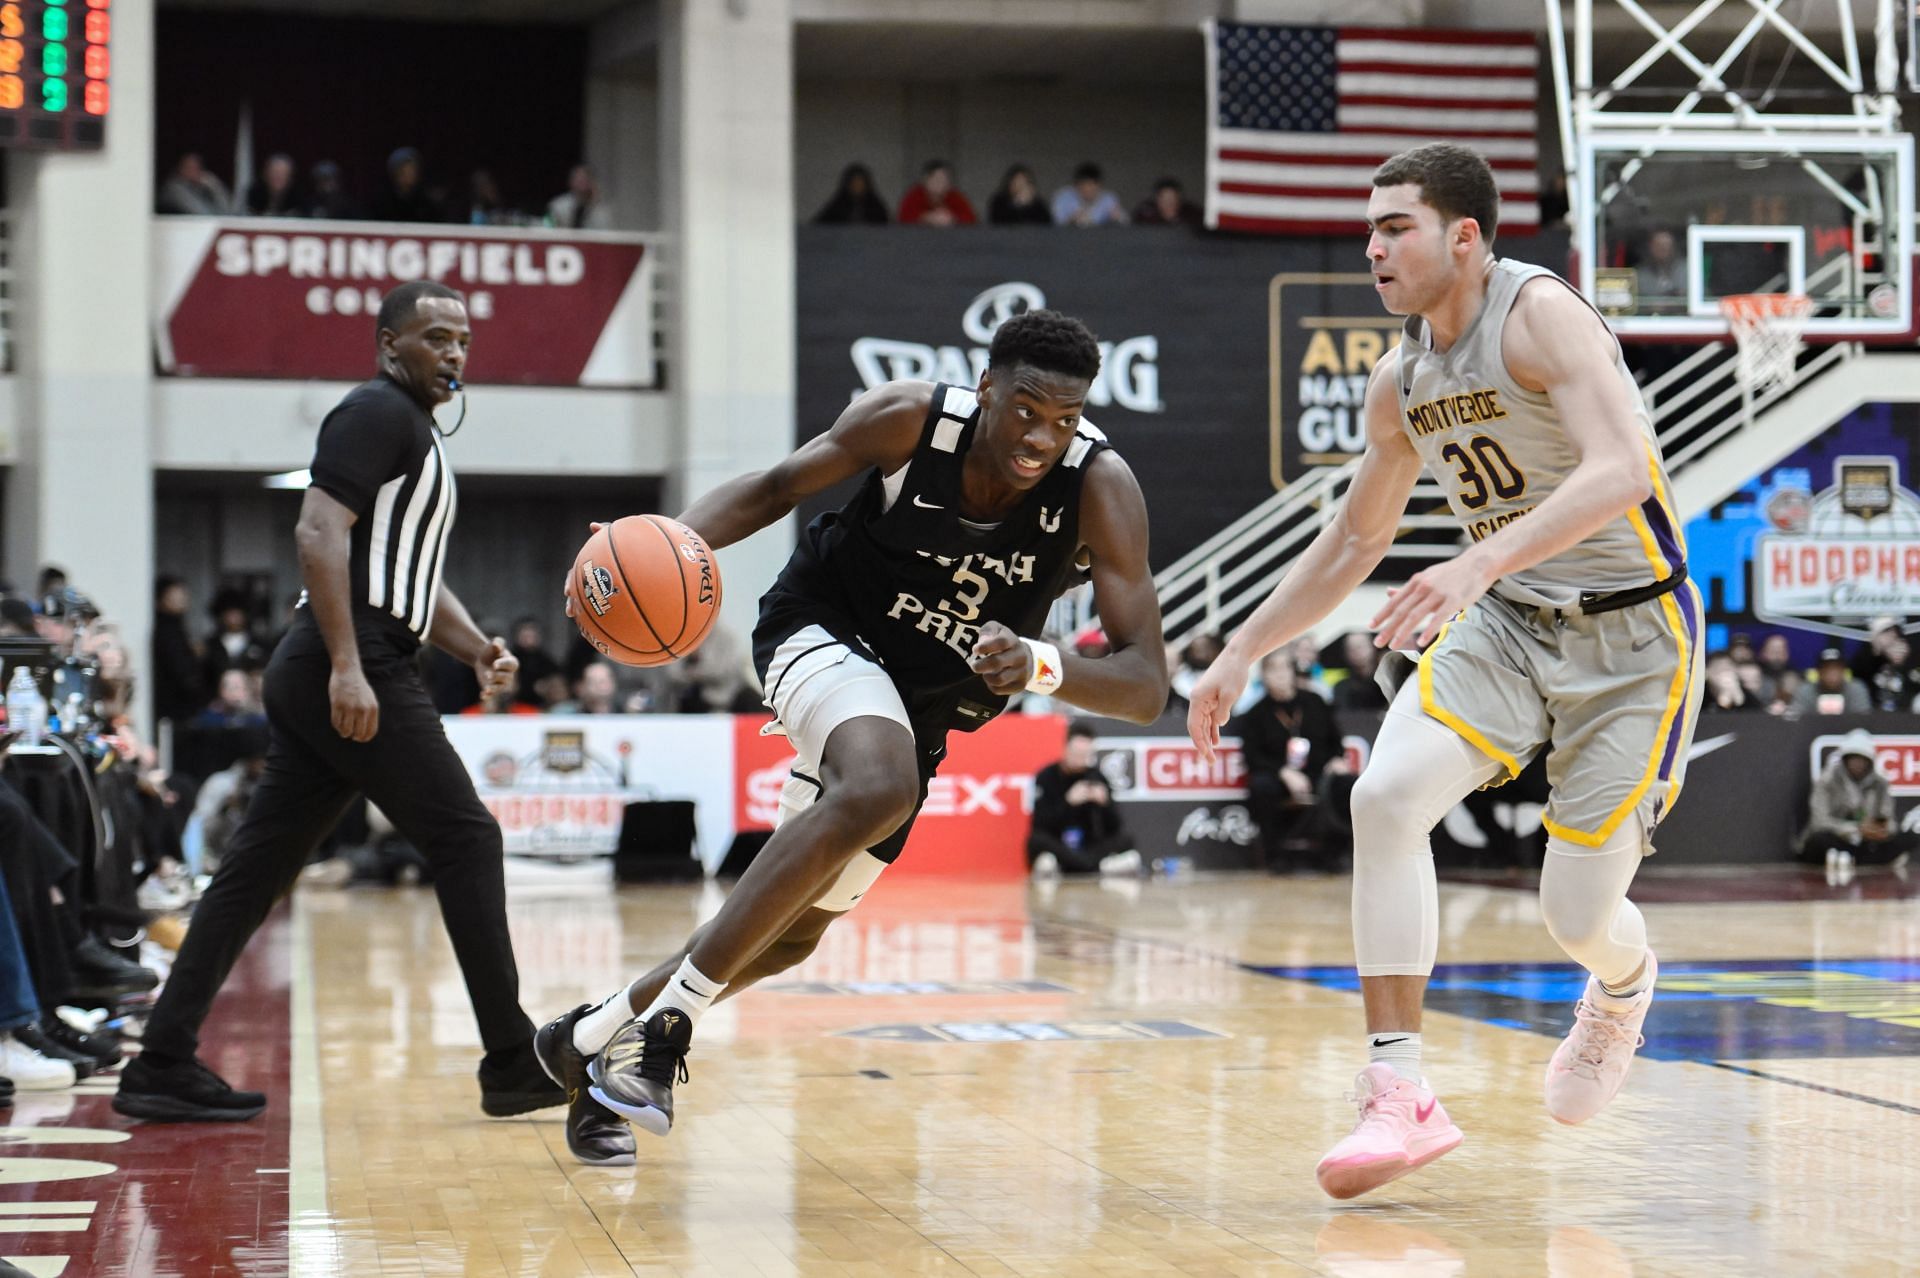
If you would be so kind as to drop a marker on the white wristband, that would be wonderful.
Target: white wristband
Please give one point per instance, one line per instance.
(1047, 674)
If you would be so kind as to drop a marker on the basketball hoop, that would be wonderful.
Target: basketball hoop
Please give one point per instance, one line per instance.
(1767, 326)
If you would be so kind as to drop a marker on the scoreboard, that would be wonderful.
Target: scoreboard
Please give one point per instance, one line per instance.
(54, 72)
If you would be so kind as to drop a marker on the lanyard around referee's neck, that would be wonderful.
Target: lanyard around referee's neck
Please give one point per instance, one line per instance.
(458, 422)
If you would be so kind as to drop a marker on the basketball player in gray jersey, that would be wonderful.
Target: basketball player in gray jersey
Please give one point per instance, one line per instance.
(1566, 623)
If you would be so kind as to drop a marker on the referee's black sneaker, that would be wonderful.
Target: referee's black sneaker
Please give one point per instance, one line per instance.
(513, 1083)
(634, 1073)
(595, 1134)
(182, 1092)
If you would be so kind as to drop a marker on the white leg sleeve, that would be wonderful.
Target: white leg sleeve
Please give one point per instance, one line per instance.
(1419, 769)
(1583, 899)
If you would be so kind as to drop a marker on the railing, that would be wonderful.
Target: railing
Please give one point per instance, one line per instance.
(1695, 406)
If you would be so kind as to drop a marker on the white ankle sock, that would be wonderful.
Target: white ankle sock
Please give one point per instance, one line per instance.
(687, 990)
(1616, 1000)
(1399, 1049)
(594, 1030)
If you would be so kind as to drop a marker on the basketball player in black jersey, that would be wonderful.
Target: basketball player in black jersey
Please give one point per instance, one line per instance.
(905, 615)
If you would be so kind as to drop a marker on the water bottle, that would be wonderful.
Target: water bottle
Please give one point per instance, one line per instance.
(26, 707)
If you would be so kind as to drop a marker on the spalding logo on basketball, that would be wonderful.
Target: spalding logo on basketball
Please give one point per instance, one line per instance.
(645, 590)
(597, 584)
(696, 554)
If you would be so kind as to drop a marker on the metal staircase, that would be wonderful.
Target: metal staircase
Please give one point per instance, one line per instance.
(1697, 408)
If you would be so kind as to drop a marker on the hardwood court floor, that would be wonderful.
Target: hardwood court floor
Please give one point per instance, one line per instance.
(1097, 1080)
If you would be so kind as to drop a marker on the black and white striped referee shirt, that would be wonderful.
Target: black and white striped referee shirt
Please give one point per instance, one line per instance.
(380, 455)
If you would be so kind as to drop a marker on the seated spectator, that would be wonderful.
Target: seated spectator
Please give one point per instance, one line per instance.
(1167, 206)
(17, 619)
(484, 205)
(327, 197)
(179, 690)
(1358, 691)
(233, 643)
(1017, 202)
(192, 190)
(715, 678)
(1289, 742)
(1885, 666)
(536, 663)
(1774, 657)
(854, 200)
(505, 701)
(222, 801)
(593, 691)
(935, 201)
(1076, 827)
(1834, 690)
(579, 207)
(550, 690)
(233, 704)
(1085, 202)
(1201, 651)
(405, 197)
(1785, 701)
(1724, 691)
(1309, 673)
(1662, 275)
(1740, 648)
(272, 195)
(22, 1064)
(1850, 812)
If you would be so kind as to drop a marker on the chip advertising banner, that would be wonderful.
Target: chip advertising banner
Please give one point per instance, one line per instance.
(261, 297)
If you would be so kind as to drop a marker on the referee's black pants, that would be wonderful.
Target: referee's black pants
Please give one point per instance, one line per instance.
(411, 772)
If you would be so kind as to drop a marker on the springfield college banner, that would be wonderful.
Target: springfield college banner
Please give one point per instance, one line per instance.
(261, 297)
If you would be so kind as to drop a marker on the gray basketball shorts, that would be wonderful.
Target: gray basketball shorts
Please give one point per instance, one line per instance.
(1614, 695)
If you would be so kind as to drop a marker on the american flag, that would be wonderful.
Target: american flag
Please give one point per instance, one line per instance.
(1303, 115)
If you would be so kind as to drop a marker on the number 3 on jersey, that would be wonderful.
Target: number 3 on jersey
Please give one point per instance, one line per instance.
(973, 589)
(1484, 468)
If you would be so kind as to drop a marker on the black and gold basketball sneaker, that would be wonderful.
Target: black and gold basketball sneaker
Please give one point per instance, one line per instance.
(634, 1073)
(595, 1134)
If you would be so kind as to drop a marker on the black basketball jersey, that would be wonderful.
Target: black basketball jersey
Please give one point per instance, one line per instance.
(898, 573)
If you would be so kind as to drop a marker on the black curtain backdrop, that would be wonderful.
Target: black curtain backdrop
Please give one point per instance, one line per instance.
(507, 98)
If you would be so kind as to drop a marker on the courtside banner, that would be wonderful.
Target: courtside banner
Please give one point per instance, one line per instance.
(559, 784)
(974, 823)
(269, 297)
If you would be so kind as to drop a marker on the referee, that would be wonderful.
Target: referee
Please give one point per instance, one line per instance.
(349, 716)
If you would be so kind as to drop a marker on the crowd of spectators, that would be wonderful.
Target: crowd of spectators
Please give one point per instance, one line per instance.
(1881, 674)
(407, 193)
(936, 200)
(90, 845)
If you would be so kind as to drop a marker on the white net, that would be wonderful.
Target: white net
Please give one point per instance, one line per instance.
(1768, 327)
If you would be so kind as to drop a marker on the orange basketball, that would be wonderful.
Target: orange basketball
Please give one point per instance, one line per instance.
(645, 590)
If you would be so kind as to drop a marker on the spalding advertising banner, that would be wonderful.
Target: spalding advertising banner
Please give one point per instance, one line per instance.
(274, 298)
(1229, 364)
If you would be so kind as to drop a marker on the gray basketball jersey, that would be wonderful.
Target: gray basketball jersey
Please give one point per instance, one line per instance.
(1500, 450)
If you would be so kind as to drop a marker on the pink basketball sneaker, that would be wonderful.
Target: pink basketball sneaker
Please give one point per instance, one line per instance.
(1401, 1129)
(1590, 1065)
